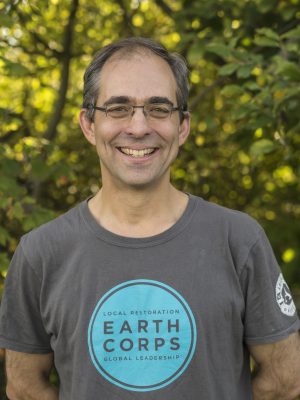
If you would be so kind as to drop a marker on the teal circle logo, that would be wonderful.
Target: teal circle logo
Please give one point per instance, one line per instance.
(142, 335)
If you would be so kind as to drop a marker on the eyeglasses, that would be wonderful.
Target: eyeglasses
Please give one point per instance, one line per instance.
(123, 111)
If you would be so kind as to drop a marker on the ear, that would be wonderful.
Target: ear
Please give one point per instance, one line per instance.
(184, 128)
(87, 127)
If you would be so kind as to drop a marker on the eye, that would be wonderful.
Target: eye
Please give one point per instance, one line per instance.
(118, 110)
(159, 110)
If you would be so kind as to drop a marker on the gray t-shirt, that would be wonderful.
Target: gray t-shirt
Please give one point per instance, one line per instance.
(164, 317)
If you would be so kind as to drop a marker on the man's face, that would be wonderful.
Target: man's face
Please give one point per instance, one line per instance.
(136, 151)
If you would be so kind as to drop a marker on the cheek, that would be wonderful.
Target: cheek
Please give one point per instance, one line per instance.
(104, 144)
(103, 136)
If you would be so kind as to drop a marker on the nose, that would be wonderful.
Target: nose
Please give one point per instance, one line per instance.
(138, 125)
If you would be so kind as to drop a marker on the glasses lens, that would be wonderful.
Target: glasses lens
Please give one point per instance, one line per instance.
(119, 110)
(159, 111)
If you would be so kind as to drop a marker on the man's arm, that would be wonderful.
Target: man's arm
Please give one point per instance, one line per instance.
(28, 376)
(278, 369)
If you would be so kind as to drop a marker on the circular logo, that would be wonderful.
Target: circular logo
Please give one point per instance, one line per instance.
(142, 335)
(284, 297)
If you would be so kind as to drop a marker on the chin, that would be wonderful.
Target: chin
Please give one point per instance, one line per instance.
(140, 184)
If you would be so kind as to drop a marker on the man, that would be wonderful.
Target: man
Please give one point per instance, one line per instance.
(142, 291)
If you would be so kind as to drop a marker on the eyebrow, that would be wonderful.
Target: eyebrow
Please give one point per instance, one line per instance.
(117, 100)
(126, 100)
(159, 99)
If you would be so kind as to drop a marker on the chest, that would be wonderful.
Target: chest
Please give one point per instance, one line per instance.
(202, 277)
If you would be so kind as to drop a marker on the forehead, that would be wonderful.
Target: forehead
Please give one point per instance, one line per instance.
(138, 76)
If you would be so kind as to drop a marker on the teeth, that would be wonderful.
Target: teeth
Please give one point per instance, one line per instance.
(136, 153)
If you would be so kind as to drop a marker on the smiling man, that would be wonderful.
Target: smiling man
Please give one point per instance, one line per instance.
(137, 124)
(143, 291)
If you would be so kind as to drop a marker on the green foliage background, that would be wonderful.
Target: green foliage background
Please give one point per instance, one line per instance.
(244, 148)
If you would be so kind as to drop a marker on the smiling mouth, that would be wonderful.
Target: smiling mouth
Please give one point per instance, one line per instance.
(137, 153)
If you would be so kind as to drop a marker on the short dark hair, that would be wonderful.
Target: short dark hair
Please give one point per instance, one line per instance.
(132, 45)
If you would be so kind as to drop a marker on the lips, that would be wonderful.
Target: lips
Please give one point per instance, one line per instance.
(136, 153)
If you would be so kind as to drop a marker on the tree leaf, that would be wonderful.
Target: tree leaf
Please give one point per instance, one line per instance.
(16, 211)
(251, 86)
(219, 49)
(263, 41)
(4, 236)
(63, 169)
(10, 168)
(261, 147)
(6, 21)
(289, 70)
(243, 111)
(260, 122)
(232, 90)
(14, 69)
(195, 52)
(4, 201)
(40, 170)
(269, 33)
(228, 69)
(38, 216)
(292, 34)
(9, 187)
(244, 71)
(265, 6)
(288, 93)
(4, 262)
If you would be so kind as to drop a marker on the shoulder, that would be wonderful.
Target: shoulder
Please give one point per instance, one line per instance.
(225, 221)
(53, 237)
(55, 229)
(233, 232)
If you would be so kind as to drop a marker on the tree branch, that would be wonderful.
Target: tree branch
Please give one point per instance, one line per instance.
(66, 56)
(4, 138)
(291, 25)
(26, 50)
(127, 18)
(39, 39)
(164, 6)
(36, 37)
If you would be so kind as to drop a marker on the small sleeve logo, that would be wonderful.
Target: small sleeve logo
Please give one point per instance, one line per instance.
(284, 297)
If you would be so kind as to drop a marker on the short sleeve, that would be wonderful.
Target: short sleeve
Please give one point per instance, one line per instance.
(270, 312)
(21, 325)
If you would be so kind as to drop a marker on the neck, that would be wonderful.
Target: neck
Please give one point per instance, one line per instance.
(138, 213)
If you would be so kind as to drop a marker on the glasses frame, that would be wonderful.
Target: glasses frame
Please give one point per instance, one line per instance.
(104, 109)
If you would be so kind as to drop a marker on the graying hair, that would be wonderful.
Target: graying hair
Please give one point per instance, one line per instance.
(130, 46)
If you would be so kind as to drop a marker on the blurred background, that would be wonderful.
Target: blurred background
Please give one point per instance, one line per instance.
(244, 147)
